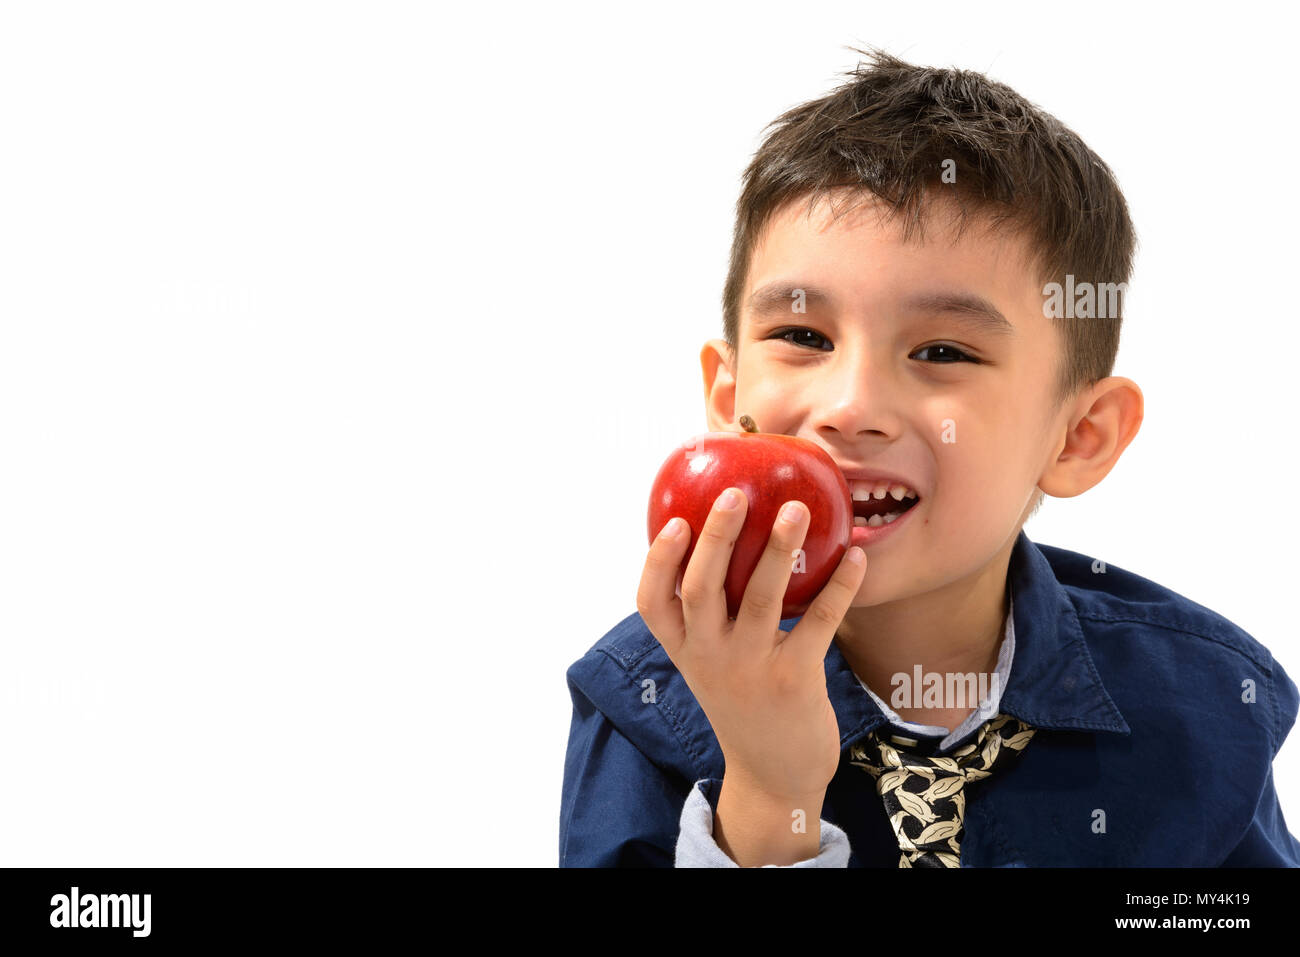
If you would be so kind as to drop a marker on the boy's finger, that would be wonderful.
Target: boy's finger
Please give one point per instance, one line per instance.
(816, 629)
(760, 609)
(656, 595)
(704, 603)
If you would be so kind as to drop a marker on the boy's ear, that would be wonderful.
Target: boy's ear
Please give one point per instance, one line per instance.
(718, 365)
(1102, 423)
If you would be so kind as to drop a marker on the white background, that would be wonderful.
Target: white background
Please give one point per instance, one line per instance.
(341, 343)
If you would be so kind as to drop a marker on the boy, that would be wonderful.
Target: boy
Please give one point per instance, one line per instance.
(891, 298)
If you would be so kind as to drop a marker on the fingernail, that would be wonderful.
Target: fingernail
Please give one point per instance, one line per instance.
(729, 499)
(672, 529)
(790, 513)
(856, 555)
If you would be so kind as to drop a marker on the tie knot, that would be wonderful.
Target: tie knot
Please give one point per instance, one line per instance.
(996, 739)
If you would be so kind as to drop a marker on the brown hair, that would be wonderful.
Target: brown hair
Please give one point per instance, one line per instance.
(888, 130)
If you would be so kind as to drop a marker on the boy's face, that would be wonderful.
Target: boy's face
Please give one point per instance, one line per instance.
(868, 382)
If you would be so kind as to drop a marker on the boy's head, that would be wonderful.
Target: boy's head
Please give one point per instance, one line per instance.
(892, 232)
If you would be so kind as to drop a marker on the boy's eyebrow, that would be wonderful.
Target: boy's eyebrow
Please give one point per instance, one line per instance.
(964, 306)
(777, 298)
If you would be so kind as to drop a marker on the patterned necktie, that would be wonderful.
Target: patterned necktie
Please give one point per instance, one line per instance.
(925, 797)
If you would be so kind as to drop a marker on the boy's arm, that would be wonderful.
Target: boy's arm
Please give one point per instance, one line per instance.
(697, 848)
(617, 808)
(620, 810)
(1267, 842)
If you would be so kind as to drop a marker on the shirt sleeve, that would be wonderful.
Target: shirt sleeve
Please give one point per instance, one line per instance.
(696, 847)
(617, 809)
(1267, 842)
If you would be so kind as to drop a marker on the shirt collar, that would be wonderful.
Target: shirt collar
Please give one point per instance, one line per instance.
(1053, 682)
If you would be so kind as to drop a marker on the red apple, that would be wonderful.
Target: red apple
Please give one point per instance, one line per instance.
(771, 470)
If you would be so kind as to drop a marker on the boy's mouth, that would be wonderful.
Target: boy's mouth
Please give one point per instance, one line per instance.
(879, 503)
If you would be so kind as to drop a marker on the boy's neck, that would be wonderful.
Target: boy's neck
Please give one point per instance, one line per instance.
(956, 629)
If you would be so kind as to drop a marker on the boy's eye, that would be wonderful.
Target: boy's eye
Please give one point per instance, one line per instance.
(787, 333)
(952, 354)
(945, 354)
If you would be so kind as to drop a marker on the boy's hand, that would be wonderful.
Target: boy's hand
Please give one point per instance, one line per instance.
(763, 690)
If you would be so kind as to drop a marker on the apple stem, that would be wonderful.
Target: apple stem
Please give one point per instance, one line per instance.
(747, 424)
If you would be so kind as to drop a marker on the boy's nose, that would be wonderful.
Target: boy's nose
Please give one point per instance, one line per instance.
(856, 397)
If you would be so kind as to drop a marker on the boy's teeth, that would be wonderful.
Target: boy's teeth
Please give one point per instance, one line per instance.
(875, 520)
(864, 492)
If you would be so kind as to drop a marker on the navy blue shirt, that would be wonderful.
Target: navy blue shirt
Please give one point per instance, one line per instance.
(1158, 721)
